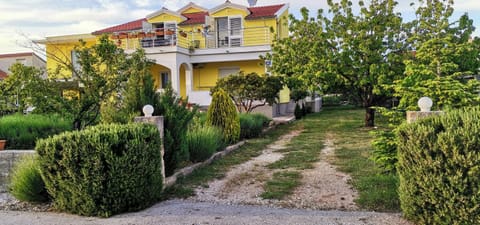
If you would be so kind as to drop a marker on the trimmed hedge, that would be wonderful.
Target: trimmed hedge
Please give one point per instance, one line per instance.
(103, 170)
(439, 168)
(21, 131)
(251, 125)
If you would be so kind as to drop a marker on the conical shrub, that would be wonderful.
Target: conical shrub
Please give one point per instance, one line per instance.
(223, 114)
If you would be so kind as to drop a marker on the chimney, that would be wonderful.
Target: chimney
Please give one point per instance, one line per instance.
(252, 3)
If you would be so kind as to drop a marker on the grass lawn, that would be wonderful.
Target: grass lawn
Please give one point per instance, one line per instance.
(352, 140)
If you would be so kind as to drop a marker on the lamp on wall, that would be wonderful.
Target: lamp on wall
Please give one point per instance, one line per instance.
(147, 110)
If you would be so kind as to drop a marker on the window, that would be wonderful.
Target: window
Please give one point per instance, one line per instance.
(229, 31)
(165, 79)
(225, 72)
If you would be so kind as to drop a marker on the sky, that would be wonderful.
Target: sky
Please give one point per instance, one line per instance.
(24, 20)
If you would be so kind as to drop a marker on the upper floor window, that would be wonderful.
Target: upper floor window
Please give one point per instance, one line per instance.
(229, 31)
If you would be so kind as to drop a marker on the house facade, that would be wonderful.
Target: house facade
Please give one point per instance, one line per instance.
(194, 46)
(25, 58)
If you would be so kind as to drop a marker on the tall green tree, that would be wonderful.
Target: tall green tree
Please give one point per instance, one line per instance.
(356, 54)
(444, 56)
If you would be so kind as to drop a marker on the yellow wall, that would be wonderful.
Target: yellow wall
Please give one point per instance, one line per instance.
(230, 12)
(192, 35)
(258, 32)
(283, 24)
(60, 53)
(156, 70)
(183, 86)
(192, 10)
(284, 95)
(165, 17)
(206, 77)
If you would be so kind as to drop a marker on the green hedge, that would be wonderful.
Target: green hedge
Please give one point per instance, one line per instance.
(439, 168)
(251, 125)
(21, 131)
(103, 170)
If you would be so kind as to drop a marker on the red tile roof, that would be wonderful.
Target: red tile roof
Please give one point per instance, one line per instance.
(3, 75)
(133, 25)
(13, 55)
(263, 11)
(194, 18)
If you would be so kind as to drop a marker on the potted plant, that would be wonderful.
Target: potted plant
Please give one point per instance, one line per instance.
(3, 143)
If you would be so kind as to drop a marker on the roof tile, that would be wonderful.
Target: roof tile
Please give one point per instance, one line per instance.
(263, 11)
(133, 25)
(194, 18)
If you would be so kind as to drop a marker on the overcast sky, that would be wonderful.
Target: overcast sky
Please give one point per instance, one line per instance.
(21, 20)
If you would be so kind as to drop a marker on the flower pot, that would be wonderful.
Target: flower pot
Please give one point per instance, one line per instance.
(2, 144)
(159, 32)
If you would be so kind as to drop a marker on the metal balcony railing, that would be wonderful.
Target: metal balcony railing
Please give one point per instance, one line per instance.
(206, 39)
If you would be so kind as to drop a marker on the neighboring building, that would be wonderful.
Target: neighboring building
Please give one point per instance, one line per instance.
(193, 47)
(26, 58)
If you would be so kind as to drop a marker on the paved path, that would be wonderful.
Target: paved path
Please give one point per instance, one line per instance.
(188, 212)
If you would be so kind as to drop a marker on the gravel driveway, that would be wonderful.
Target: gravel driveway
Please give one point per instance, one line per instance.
(189, 212)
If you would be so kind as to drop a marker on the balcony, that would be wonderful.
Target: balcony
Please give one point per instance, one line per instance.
(200, 39)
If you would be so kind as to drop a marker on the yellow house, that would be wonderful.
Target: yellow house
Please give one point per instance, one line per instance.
(193, 47)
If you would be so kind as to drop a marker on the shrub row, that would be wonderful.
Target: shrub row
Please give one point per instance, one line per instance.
(251, 125)
(21, 131)
(438, 167)
(102, 170)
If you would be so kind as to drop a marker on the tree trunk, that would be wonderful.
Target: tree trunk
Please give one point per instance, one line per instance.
(369, 117)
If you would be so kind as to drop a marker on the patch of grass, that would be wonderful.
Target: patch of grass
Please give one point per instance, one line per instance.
(282, 184)
(185, 186)
(377, 191)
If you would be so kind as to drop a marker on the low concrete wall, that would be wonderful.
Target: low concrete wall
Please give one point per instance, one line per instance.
(8, 158)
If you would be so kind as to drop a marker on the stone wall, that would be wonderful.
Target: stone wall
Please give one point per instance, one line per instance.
(8, 158)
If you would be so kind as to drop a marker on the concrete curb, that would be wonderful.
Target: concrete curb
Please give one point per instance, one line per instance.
(169, 181)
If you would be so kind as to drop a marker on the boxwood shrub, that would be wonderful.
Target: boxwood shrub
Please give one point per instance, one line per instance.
(21, 131)
(251, 125)
(102, 170)
(439, 168)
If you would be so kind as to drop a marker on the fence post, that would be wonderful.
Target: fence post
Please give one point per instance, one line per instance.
(425, 103)
(157, 121)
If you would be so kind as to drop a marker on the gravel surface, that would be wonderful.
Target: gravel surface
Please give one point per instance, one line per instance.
(189, 212)
(234, 200)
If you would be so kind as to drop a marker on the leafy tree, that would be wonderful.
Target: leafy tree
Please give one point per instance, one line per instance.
(358, 55)
(139, 90)
(250, 91)
(444, 56)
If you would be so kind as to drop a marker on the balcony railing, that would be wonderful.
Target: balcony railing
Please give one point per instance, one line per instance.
(207, 39)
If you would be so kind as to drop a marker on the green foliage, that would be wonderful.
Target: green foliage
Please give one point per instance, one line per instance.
(22, 131)
(444, 55)
(26, 183)
(203, 142)
(25, 87)
(176, 118)
(138, 91)
(251, 125)
(298, 112)
(438, 168)
(385, 142)
(222, 114)
(281, 185)
(357, 54)
(103, 170)
(246, 89)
